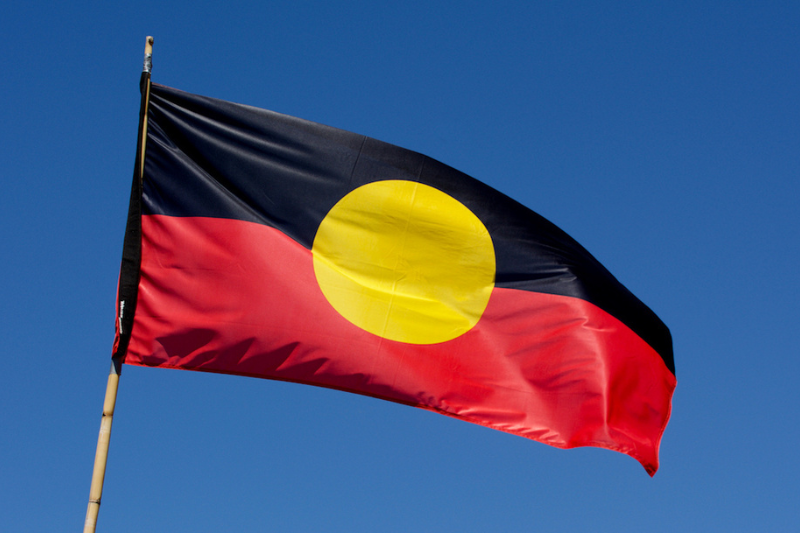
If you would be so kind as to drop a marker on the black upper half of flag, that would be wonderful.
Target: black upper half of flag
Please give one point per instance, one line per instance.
(211, 158)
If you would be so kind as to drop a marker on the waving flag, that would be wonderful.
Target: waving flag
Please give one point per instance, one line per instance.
(274, 247)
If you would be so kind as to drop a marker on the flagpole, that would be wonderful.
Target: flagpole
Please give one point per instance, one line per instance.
(103, 440)
(101, 457)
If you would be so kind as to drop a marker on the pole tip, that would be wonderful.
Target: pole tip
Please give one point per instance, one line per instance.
(148, 54)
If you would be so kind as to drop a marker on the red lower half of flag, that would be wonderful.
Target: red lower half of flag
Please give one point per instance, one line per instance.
(233, 297)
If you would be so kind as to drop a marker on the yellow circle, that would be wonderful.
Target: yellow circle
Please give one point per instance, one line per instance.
(405, 261)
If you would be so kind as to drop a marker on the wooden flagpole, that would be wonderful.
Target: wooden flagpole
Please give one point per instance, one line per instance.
(101, 457)
(103, 440)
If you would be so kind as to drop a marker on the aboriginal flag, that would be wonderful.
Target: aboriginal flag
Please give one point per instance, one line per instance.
(269, 246)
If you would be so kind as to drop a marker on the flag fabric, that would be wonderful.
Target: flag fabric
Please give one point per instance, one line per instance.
(274, 247)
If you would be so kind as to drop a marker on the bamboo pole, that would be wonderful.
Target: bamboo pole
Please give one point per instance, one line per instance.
(101, 457)
(148, 65)
(103, 440)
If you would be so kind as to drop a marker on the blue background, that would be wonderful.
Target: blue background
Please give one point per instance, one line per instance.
(663, 136)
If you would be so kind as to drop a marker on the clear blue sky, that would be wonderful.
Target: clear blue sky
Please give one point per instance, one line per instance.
(663, 136)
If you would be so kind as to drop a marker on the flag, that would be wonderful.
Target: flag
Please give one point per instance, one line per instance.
(275, 247)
